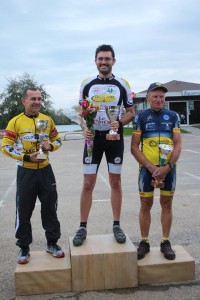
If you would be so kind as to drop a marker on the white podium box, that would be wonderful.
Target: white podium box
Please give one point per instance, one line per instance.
(101, 263)
(154, 268)
(43, 274)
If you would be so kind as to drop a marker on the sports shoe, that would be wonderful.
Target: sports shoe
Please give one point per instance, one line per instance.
(143, 249)
(55, 250)
(23, 256)
(165, 248)
(119, 234)
(80, 236)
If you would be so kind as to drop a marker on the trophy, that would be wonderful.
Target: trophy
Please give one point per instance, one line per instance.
(164, 151)
(41, 125)
(112, 114)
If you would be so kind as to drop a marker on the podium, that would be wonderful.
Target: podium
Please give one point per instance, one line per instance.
(102, 263)
(99, 264)
(154, 268)
(43, 274)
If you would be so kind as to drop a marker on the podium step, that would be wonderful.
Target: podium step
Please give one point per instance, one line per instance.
(43, 274)
(101, 263)
(154, 268)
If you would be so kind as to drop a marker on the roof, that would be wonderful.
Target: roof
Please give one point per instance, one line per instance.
(177, 86)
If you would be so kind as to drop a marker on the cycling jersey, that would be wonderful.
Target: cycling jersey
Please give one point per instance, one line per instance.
(155, 127)
(106, 92)
(22, 137)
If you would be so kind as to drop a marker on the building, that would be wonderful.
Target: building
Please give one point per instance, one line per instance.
(182, 97)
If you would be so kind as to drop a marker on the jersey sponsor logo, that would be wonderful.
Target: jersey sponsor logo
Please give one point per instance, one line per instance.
(88, 160)
(150, 126)
(13, 151)
(149, 118)
(101, 122)
(28, 137)
(168, 126)
(153, 143)
(165, 117)
(117, 160)
(103, 98)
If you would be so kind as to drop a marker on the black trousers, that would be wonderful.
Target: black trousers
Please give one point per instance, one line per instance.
(32, 183)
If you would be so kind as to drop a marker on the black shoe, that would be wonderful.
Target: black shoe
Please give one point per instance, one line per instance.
(23, 256)
(55, 250)
(80, 236)
(143, 249)
(119, 234)
(165, 248)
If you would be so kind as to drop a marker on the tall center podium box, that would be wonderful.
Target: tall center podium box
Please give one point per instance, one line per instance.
(101, 263)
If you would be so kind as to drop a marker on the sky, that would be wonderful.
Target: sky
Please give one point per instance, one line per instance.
(55, 42)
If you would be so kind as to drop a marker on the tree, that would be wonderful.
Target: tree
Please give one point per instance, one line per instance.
(10, 99)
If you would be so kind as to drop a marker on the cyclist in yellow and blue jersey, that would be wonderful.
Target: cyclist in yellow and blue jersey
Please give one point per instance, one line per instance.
(151, 128)
(35, 177)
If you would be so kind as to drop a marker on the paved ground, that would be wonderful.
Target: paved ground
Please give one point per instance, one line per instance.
(67, 167)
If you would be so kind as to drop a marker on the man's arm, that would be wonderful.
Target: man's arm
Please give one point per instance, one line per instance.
(54, 142)
(137, 153)
(176, 147)
(128, 116)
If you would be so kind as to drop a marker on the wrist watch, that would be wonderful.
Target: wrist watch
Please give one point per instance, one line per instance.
(171, 165)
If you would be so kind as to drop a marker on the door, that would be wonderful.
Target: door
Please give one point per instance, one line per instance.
(181, 109)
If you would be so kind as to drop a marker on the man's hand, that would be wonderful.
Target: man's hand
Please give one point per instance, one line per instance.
(33, 157)
(161, 172)
(46, 146)
(88, 135)
(114, 125)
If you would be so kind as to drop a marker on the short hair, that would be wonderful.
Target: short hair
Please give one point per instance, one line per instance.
(32, 88)
(104, 48)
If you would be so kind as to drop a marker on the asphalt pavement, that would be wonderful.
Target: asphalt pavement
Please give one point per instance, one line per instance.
(67, 165)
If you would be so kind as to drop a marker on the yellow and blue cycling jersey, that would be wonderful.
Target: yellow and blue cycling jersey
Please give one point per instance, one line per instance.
(155, 127)
(22, 137)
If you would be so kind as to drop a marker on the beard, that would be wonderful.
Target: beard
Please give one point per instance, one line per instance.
(106, 71)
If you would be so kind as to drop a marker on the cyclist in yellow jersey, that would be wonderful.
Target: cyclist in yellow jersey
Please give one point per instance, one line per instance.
(35, 177)
(151, 128)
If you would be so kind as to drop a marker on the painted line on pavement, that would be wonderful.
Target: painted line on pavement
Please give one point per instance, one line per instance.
(103, 200)
(1, 203)
(107, 184)
(192, 175)
(104, 180)
(7, 193)
(191, 151)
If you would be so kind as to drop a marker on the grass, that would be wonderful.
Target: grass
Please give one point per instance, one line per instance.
(128, 131)
(197, 126)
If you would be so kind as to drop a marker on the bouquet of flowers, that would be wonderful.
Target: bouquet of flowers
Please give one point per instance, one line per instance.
(88, 113)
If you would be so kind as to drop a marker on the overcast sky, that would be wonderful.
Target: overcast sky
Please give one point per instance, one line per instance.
(54, 41)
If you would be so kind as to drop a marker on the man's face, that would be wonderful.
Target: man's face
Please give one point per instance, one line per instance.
(156, 99)
(104, 62)
(32, 102)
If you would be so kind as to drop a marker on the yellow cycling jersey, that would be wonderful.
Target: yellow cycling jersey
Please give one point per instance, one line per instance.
(156, 128)
(21, 138)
